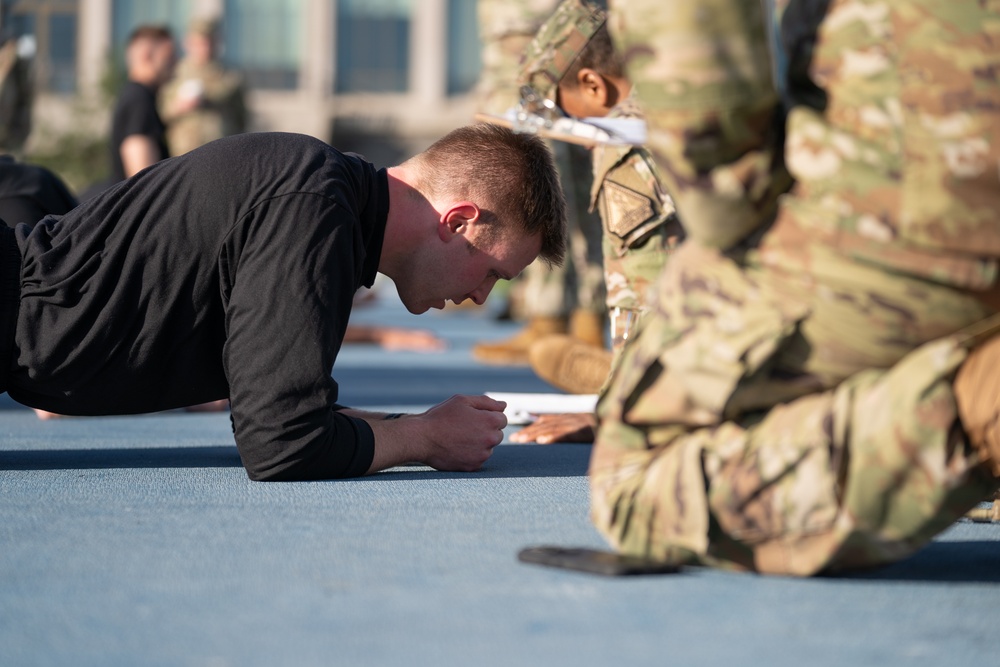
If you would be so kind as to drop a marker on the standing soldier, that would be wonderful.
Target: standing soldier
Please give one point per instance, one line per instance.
(816, 389)
(204, 101)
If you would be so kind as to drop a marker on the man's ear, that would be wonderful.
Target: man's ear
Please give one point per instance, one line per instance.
(457, 219)
(593, 86)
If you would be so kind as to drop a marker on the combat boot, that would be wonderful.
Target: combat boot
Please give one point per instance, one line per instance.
(514, 350)
(977, 393)
(988, 514)
(588, 327)
(571, 365)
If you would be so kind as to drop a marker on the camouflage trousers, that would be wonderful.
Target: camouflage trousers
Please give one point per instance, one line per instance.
(786, 422)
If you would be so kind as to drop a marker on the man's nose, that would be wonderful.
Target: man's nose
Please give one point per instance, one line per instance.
(479, 294)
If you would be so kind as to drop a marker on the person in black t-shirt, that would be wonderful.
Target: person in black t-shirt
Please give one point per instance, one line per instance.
(138, 135)
(230, 272)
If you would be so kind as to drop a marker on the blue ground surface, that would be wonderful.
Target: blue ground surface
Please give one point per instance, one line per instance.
(140, 541)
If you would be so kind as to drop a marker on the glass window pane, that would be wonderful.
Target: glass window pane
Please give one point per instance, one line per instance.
(262, 39)
(129, 14)
(20, 25)
(62, 53)
(464, 49)
(46, 33)
(373, 45)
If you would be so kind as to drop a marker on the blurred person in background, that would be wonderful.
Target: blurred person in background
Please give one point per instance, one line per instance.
(27, 192)
(138, 134)
(204, 100)
(16, 89)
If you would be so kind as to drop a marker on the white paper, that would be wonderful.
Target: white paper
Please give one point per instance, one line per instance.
(524, 408)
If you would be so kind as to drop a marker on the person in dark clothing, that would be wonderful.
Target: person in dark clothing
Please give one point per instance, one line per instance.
(138, 134)
(229, 272)
(29, 192)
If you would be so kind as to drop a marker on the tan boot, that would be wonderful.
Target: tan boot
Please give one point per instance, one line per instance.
(990, 514)
(570, 365)
(514, 350)
(588, 327)
(977, 392)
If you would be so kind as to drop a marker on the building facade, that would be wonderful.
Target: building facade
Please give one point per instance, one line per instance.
(383, 77)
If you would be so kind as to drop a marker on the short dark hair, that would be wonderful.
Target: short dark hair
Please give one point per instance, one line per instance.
(511, 176)
(599, 55)
(151, 32)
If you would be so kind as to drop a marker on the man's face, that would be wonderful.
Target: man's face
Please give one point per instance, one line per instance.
(467, 267)
(200, 47)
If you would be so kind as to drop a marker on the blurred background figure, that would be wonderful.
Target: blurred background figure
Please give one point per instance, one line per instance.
(205, 100)
(16, 91)
(138, 135)
(568, 299)
(28, 192)
(383, 78)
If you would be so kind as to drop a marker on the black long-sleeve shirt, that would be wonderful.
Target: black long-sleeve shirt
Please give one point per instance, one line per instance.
(226, 272)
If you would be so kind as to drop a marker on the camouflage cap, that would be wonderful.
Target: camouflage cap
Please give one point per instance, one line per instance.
(558, 43)
(204, 25)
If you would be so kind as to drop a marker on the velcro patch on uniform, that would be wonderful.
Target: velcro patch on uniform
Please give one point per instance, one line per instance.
(625, 209)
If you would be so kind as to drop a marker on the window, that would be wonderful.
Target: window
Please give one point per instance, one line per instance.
(47, 33)
(373, 45)
(127, 15)
(262, 39)
(464, 49)
(62, 53)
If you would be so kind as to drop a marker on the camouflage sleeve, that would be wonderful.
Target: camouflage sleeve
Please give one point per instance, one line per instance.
(703, 74)
(165, 101)
(630, 197)
(640, 226)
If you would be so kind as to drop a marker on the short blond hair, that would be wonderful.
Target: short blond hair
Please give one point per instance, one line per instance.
(511, 177)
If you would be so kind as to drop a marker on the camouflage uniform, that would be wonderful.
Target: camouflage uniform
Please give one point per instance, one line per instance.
(222, 111)
(506, 29)
(640, 226)
(637, 215)
(789, 406)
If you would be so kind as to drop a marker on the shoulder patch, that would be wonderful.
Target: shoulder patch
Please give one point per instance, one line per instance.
(625, 209)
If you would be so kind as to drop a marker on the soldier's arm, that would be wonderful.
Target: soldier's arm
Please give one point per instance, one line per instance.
(706, 85)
